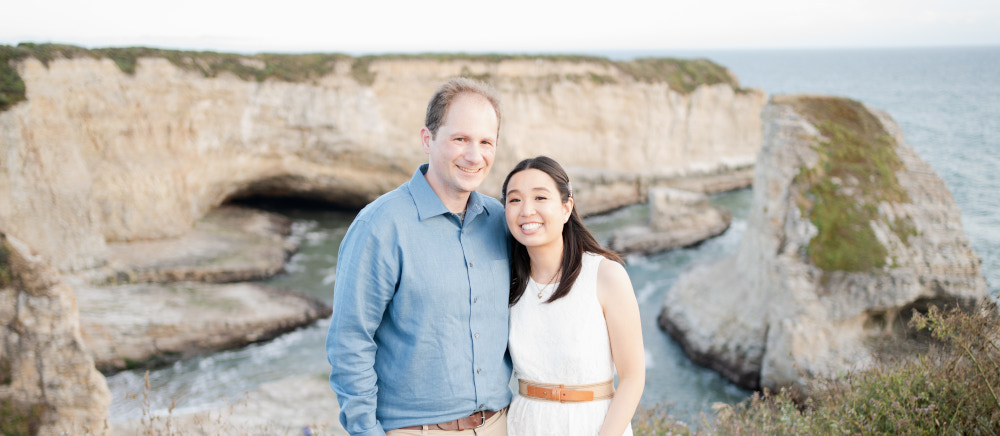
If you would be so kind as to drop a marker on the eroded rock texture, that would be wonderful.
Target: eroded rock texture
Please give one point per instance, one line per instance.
(48, 384)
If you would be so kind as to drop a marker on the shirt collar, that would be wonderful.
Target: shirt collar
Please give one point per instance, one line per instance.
(429, 204)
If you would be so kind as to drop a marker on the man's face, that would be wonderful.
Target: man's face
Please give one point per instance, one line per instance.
(462, 152)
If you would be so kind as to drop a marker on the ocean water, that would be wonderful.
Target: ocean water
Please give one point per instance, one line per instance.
(946, 100)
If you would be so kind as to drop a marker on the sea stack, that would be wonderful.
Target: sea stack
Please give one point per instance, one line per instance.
(849, 231)
(48, 383)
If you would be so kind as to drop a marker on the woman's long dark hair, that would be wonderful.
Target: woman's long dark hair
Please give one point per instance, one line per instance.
(576, 238)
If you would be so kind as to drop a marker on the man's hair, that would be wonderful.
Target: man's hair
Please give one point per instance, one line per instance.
(437, 108)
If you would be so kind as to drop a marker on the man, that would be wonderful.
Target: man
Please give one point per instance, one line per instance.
(418, 335)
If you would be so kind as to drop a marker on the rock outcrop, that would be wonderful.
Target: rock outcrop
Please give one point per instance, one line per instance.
(676, 219)
(848, 232)
(149, 324)
(97, 155)
(229, 244)
(48, 384)
(160, 301)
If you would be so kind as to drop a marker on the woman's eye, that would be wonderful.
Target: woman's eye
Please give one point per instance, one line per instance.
(540, 198)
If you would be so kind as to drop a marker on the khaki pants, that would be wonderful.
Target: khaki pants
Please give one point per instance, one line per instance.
(495, 426)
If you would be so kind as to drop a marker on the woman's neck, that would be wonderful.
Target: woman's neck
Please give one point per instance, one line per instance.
(545, 262)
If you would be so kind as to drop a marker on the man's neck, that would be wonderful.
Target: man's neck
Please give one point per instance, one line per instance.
(454, 201)
(456, 205)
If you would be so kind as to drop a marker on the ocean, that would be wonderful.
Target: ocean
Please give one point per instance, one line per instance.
(947, 101)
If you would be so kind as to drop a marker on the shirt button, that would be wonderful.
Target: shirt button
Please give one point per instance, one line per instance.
(475, 300)
(477, 335)
(470, 264)
(479, 371)
(482, 405)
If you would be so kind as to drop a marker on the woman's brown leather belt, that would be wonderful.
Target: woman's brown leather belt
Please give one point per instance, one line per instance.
(564, 393)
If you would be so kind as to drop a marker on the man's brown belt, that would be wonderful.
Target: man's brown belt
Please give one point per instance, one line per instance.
(474, 420)
(564, 393)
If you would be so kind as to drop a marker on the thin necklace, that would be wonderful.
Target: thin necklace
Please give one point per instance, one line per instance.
(541, 290)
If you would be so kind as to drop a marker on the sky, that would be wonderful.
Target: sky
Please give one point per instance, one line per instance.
(513, 26)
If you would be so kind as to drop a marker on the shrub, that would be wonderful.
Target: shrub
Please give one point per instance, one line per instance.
(951, 388)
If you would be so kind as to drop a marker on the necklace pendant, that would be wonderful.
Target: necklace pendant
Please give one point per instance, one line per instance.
(539, 294)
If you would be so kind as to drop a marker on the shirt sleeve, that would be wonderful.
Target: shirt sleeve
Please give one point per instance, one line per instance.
(367, 272)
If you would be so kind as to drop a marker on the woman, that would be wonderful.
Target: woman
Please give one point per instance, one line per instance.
(573, 317)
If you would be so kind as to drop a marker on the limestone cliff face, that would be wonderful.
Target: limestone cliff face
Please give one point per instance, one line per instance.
(48, 384)
(849, 231)
(95, 155)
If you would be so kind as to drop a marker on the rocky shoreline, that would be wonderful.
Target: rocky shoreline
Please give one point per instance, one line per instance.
(677, 219)
(161, 301)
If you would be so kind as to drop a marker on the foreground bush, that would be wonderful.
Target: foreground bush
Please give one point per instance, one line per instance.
(951, 388)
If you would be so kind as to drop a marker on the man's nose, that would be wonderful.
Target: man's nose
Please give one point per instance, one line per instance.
(471, 153)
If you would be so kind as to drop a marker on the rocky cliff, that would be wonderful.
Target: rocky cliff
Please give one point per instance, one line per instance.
(48, 384)
(118, 145)
(848, 232)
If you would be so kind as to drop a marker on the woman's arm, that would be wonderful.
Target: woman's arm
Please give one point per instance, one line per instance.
(621, 311)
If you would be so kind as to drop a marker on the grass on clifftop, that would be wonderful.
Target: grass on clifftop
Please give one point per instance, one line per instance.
(285, 67)
(951, 389)
(681, 75)
(840, 195)
(11, 85)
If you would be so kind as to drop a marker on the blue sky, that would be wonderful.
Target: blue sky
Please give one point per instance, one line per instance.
(524, 26)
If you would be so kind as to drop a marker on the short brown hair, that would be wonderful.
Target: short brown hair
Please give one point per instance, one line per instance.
(437, 108)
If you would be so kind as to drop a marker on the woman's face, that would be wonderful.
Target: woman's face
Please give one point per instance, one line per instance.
(535, 212)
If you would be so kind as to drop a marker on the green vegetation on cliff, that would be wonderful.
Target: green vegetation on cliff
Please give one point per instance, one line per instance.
(20, 419)
(11, 85)
(285, 67)
(681, 75)
(840, 195)
(4, 264)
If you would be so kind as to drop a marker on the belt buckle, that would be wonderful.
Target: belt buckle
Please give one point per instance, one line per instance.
(482, 414)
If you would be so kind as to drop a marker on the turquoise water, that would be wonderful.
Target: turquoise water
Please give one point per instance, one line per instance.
(947, 102)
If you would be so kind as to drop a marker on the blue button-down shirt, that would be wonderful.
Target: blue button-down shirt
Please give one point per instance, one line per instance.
(419, 327)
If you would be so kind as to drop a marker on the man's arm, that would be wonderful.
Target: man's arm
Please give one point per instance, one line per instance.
(365, 282)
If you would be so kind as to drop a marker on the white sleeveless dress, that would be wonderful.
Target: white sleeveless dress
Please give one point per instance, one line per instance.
(564, 342)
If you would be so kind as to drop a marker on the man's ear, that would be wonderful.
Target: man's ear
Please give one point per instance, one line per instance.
(425, 139)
